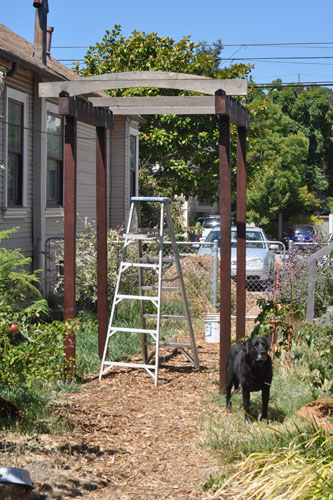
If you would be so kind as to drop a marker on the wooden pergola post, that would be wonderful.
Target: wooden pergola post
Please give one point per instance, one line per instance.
(70, 237)
(228, 111)
(101, 238)
(73, 109)
(225, 250)
(241, 233)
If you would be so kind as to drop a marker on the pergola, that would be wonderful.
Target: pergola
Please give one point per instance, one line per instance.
(96, 111)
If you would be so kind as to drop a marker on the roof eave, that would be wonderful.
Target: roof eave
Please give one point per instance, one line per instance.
(43, 72)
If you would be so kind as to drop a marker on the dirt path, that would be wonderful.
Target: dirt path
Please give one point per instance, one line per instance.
(131, 440)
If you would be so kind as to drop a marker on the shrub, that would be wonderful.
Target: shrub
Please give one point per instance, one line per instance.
(86, 267)
(319, 357)
(30, 348)
(294, 291)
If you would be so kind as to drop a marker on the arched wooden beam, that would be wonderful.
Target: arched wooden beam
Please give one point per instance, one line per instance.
(144, 79)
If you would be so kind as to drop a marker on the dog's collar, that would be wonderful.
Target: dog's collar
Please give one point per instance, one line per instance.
(267, 383)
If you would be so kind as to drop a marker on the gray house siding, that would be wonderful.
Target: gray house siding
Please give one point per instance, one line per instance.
(21, 81)
(118, 160)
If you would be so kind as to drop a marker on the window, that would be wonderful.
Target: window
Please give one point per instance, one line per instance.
(133, 164)
(15, 114)
(54, 173)
(16, 149)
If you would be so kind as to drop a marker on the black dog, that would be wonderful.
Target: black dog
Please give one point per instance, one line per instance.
(250, 366)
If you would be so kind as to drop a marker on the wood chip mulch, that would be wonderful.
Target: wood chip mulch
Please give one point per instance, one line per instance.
(131, 440)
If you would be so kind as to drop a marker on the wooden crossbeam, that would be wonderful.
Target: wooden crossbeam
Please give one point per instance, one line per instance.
(84, 111)
(178, 105)
(139, 79)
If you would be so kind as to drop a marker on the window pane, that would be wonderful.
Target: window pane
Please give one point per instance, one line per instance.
(133, 152)
(15, 114)
(52, 187)
(14, 188)
(54, 136)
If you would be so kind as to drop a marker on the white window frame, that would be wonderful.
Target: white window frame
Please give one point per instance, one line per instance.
(22, 98)
(56, 211)
(132, 131)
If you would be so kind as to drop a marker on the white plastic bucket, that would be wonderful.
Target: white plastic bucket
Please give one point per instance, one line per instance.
(212, 327)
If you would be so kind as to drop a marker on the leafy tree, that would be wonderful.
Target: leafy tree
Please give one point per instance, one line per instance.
(179, 152)
(312, 111)
(277, 164)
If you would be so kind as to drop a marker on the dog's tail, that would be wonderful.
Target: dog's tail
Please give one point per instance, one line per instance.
(236, 384)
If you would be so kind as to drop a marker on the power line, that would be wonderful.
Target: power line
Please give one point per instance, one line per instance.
(279, 44)
(292, 84)
(273, 58)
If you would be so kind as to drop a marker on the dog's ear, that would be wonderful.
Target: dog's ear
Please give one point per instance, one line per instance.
(247, 346)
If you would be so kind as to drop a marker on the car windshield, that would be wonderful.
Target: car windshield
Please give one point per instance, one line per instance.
(212, 222)
(302, 230)
(253, 238)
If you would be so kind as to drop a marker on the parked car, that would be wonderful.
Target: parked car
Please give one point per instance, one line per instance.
(302, 233)
(260, 259)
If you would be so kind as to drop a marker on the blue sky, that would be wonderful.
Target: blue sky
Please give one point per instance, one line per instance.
(83, 22)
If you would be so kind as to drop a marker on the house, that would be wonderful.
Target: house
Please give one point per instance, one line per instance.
(32, 149)
(193, 210)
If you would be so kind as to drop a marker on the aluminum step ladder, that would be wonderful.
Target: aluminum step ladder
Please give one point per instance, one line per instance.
(150, 258)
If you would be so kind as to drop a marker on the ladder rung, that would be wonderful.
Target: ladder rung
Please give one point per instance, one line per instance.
(142, 236)
(165, 316)
(150, 287)
(130, 365)
(137, 297)
(126, 265)
(115, 329)
(156, 259)
(175, 345)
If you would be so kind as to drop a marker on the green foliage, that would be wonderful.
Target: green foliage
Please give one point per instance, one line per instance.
(319, 357)
(274, 319)
(277, 156)
(179, 152)
(30, 349)
(36, 353)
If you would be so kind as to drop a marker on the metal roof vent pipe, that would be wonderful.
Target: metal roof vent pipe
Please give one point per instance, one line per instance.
(49, 31)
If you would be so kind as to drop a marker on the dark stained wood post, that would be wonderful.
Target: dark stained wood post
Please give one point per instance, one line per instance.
(101, 237)
(225, 251)
(70, 237)
(241, 233)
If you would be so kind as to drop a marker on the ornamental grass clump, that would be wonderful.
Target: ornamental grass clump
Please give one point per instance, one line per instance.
(302, 471)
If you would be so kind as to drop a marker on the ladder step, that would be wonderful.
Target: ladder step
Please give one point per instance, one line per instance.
(156, 259)
(115, 329)
(174, 345)
(142, 236)
(126, 265)
(165, 316)
(129, 365)
(150, 287)
(137, 297)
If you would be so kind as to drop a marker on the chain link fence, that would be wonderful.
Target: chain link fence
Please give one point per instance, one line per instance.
(200, 268)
